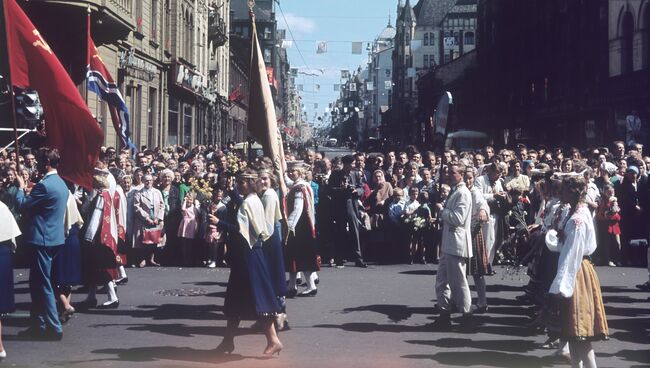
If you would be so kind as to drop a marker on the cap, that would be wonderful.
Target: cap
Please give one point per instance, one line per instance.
(633, 169)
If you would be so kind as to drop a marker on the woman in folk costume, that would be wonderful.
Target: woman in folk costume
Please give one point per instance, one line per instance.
(300, 253)
(266, 185)
(250, 293)
(8, 232)
(149, 213)
(67, 264)
(479, 264)
(100, 235)
(576, 285)
(121, 210)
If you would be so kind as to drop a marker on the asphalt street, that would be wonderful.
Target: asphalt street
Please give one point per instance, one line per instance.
(376, 317)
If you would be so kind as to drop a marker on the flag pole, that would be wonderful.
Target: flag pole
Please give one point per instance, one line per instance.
(10, 88)
(88, 11)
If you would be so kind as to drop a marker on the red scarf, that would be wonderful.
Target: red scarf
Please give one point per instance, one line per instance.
(106, 238)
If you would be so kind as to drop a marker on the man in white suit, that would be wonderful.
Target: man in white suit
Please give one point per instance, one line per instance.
(492, 190)
(456, 248)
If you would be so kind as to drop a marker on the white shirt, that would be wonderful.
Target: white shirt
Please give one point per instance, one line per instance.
(579, 241)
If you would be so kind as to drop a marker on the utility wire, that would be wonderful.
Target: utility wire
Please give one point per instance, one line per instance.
(291, 34)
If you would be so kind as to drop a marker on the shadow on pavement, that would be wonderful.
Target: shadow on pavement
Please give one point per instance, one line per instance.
(208, 312)
(394, 312)
(484, 358)
(156, 353)
(513, 346)
(638, 356)
(419, 272)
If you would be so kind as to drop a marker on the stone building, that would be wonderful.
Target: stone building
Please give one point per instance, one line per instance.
(379, 82)
(169, 58)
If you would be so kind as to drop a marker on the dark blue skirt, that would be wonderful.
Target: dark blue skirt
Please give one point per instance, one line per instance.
(275, 259)
(7, 304)
(266, 301)
(67, 264)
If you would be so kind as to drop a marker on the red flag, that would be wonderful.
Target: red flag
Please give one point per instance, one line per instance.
(70, 126)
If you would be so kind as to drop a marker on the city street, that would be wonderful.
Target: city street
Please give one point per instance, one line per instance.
(376, 317)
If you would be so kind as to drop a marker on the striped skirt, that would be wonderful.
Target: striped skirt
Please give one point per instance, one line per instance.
(583, 315)
(479, 264)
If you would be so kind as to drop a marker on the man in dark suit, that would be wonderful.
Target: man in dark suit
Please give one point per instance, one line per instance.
(44, 208)
(347, 188)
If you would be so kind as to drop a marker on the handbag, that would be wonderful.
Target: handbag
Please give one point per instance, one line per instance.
(151, 235)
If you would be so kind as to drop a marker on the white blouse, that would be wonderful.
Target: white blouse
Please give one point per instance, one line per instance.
(272, 213)
(251, 220)
(579, 241)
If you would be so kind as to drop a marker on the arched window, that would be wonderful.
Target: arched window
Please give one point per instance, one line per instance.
(627, 43)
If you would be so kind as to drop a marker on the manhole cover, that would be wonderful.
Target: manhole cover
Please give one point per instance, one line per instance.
(183, 292)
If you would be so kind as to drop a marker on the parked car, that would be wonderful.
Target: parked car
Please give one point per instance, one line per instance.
(467, 140)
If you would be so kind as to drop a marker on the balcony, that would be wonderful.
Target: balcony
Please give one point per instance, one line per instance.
(112, 18)
(217, 30)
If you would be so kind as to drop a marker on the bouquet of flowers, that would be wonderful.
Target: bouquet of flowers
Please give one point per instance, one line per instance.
(234, 164)
(203, 191)
(415, 221)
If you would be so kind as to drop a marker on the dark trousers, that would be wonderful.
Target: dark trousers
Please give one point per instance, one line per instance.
(44, 310)
(347, 242)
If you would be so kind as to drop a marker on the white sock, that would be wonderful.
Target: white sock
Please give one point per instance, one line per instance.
(311, 276)
(112, 295)
(122, 272)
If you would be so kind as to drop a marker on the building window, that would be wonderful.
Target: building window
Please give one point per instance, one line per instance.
(151, 117)
(447, 58)
(168, 27)
(426, 39)
(172, 123)
(426, 61)
(267, 55)
(187, 124)
(154, 20)
(627, 44)
(267, 33)
(456, 40)
(138, 16)
(469, 38)
(432, 61)
(432, 38)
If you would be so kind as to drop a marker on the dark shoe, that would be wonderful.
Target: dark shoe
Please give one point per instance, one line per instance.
(122, 281)
(226, 347)
(52, 336)
(292, 293)
(481, 310)
(442, 323)
(299, 282)
(308, 293)
(645, 286)
(360, 264)
(317, 281)
(87, 304)
(109, 305)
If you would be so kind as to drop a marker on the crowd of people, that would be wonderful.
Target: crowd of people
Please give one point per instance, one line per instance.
(546, 209)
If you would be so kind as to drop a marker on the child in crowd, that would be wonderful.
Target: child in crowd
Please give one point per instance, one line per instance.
(609, 231)
(396, 206)
(188, 228)
(214, 238)
(409, 218)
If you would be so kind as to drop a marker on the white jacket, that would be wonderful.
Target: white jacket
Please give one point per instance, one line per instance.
(457, 223)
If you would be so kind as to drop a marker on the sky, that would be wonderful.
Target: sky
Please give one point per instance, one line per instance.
(339, 22)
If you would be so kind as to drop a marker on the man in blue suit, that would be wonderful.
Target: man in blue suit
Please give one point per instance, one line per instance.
(44, 208)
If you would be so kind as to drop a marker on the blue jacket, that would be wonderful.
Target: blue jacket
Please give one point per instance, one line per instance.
(45, 209)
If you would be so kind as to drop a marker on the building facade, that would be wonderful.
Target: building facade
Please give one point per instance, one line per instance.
(169, 58)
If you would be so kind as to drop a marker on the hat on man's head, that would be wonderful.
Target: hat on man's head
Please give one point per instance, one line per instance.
(297, 165)
(347, 159)
(609, 167)
(632, 169)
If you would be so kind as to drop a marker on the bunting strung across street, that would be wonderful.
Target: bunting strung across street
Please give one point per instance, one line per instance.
(356, 48)
(287, 44)
(321, 47)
